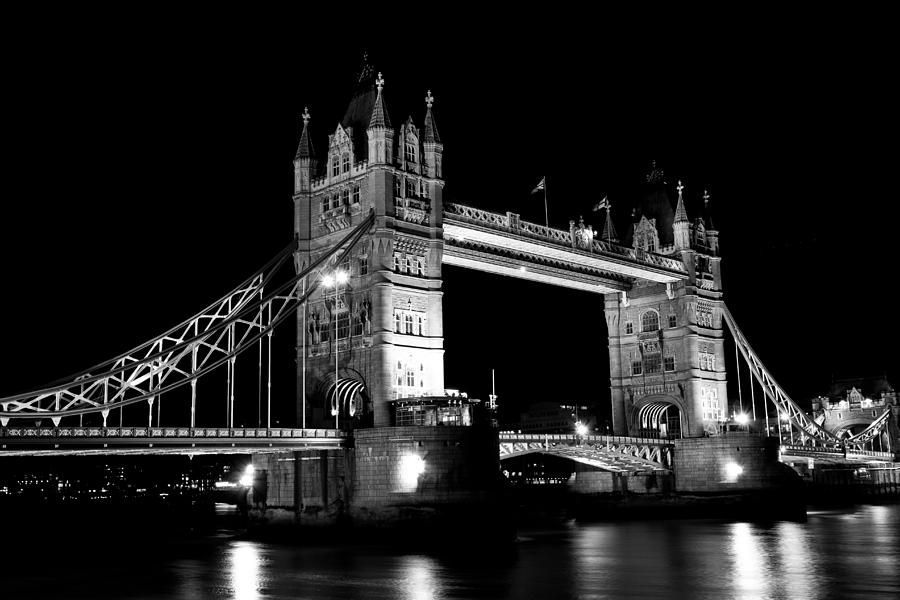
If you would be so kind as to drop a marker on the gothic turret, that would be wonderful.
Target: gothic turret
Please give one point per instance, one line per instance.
(432, 145)
(681, 225)
(712, 234)
(305, 160)
(380, 133)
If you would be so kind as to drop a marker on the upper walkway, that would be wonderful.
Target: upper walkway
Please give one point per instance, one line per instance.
(505, 245)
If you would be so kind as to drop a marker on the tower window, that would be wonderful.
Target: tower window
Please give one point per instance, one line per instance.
(420, 330)
(636, 367)
(396, 186)
(345, 196)
(335, 201)
(346, 162)
(326, 201)
(409, 266)
(410, 153)
(673, 321)
(669, 363)
(396, 263)
(408, 321)
(335, 166)
(650, 321)
(652, 363)
(410, 188)
(356, 194)
(410, 377)
(420, 267)
(363, 265)
(629, 327)
(397, 327)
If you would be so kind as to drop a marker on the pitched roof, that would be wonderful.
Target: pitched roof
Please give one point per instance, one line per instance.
(680, 212)
(380, 117)
(431, 132)
(655, 204)
(305, 147)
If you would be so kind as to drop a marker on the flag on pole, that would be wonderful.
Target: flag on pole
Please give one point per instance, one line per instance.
(602, 204)
(539, 187)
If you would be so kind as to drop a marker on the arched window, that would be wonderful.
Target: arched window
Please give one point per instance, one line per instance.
(408, 321)
(335, 166)
(345, 196)
(410, 152)
(346, 163)
(650, 321)
(356, 194)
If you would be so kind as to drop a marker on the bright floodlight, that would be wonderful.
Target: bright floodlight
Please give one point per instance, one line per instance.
(581, 428)
(742, 418)
(247, 477)
(732, 472)
(411, 466)
(328, 280)
(341, 276)
(785, 418)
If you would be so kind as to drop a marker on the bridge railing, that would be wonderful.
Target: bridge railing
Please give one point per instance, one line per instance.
(593, 439)
(512, 224)
(167, 432)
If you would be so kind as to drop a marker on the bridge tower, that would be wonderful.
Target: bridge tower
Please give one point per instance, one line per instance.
(385, 329)
(666, 341)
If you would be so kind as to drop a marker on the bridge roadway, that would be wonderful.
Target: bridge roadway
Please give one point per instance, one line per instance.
(614, 453)
(85, 441)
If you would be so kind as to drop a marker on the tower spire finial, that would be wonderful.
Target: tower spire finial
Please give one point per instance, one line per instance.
(305, 116)
(705, 197)
(429, 99)
(379, 81)
(680, 188)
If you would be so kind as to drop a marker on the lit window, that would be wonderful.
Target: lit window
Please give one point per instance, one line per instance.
(409, 266)
(335, 166)
(670, 363)
(673, 321)
(346, 161)
(629, 327)
(649, 321)
(636, 367)
(356, 194)
(410, 377)
(420, 328)
(410, 153)
(420, 267)
(396, 262)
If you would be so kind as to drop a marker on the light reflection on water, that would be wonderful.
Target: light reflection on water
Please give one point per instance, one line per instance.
(851, 554)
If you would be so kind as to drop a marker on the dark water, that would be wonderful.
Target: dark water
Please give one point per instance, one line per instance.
(852, 553)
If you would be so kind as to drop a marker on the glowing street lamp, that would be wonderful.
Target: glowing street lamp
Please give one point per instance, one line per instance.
(336, 279)
(581, 429)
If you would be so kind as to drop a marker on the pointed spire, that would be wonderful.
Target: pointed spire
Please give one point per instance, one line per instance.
(609, 231)
(305, 148)
(655, 175)
(680, 212)
(380, 116)
(431, 133)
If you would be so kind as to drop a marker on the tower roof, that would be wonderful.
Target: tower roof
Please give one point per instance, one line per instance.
(655, 204)
(680, 212)
(380, 117)
(431, 132)
(359, 112)
(707, 213)
(305, 147)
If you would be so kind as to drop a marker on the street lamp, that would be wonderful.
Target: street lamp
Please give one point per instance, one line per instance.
(336, 279)
(742, 419)
(581, 429)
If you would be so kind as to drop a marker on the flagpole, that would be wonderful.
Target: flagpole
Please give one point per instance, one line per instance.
(546, 217)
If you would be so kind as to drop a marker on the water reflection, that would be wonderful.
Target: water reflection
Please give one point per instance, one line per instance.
(244, 570)
(418, 575)
(748, 574)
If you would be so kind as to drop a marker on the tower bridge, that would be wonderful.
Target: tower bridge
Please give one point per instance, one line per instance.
(364, 276)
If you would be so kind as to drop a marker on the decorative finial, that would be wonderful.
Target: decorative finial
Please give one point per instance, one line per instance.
(305, 116)
(429, 99)
(679, 187)
(705, 197)
(379, 81)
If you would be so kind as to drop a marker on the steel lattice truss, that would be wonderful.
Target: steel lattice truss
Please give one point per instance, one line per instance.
(614, 453)
(180, 356)
(810, 432)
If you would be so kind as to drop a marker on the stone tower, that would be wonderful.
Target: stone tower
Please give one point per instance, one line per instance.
(666, 342)
(384, 326)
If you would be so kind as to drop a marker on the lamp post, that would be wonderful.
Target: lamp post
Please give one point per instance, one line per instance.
(336, 279)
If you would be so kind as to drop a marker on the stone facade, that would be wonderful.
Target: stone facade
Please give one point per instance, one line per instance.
(666, 342)
(388, 316)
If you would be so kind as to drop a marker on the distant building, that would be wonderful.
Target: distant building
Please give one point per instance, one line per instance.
(851, 405)
(552, 417)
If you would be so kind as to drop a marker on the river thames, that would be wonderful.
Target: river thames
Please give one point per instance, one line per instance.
(847, 553)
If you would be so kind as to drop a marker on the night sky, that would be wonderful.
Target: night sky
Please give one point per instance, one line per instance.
(149, 171)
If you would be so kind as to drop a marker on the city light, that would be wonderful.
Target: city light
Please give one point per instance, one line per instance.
(338, 277)
(742, 418)
(247, 477)
(581, 428)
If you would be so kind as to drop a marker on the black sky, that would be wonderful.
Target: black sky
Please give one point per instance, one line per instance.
(149, 170)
